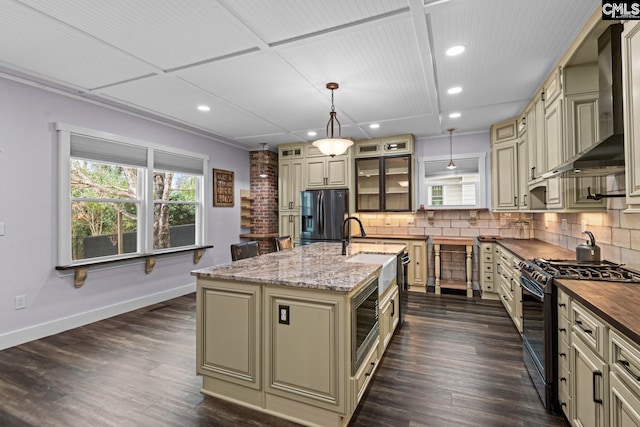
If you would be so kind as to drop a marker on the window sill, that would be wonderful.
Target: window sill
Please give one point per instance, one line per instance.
(82, 268)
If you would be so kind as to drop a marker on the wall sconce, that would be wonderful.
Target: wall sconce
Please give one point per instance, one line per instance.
(473, 217)
(431, 216)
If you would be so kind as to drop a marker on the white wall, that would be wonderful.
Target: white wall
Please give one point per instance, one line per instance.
(28, 207)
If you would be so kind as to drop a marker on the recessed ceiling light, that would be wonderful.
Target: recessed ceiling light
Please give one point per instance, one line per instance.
(374, 126)
(311, 133)
(453, 90)
(455, 50)
(454, 115)
(204, 108)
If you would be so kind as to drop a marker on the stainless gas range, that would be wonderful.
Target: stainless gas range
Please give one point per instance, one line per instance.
(539, 314)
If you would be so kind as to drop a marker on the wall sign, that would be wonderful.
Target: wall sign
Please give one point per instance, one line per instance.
(222, 188)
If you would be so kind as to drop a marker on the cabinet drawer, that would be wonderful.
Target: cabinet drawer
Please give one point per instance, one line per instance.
(487, 267)
(364, 374)
(564, 331)
(564, 350)
(625, 360)
(589, 327)
(564, 393)
(563, 304)
(487, 257)
(487, 277)
(487, 248)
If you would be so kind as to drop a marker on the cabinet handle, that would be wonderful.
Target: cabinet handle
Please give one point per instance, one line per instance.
(533, 172)
(596, 374)
(393, 308)
(290, 218)
(563, 354)
(525, 200)
(562, 304)
(562, 330)
(515, 200)
(290, 205)
(373, 365)
(563, 379)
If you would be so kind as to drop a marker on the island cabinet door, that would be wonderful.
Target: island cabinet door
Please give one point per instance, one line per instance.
(305, 347)
(228, 332)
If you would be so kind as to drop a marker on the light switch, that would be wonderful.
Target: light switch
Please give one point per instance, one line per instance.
(2, 228)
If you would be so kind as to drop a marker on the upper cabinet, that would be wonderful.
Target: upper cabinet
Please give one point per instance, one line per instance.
(505, 165)
(322, 171)
(631, 85)
(383, 174)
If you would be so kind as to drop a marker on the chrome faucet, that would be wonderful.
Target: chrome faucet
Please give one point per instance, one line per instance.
(346, 237)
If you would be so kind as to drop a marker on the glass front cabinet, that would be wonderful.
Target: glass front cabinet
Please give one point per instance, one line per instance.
(383, 184)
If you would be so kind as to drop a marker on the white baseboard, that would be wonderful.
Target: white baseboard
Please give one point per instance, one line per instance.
(42, 330)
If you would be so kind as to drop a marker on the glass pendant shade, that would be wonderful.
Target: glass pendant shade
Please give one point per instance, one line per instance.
(329, 145)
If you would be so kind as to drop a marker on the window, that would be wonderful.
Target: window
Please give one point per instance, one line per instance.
(120, 197)
(462, 187)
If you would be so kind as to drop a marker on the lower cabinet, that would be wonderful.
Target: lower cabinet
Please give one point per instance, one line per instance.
(509, 291)
(305, 347)
(590, 385)
(624, 361)
(389, 315)
(488, 287)
(286, 351)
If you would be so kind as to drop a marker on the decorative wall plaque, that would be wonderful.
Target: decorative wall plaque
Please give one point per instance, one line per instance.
(222, 188)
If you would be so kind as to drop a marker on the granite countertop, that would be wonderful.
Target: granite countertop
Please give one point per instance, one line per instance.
(317, 266)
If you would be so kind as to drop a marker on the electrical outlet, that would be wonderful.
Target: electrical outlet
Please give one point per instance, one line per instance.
(564, 224)
(411, 221)
(584, 225)
(387, 220)
(21, 302)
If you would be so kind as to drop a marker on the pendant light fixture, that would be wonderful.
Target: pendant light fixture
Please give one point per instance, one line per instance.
(451, 165)
(263, 166)
(330, 145)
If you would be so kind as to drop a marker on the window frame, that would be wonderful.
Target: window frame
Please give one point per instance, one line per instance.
(481, 192)
(144, 245)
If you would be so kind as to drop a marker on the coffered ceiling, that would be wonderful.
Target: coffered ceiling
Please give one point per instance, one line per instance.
(262, 65)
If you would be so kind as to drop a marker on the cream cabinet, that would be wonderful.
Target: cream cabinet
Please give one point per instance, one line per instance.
(228, 341)
(564, 351)
(291, 178)
(590, 369)
(582, 122)
(322, 171)
(418, 272)
(631, 88)
(389, 315)
(305, 347)
(505, 176)
(624, 362)
(289, 225)
(400, 144)
(487, 271)
(508, 277)
(523, 163)
(535, 140)
(554, 139)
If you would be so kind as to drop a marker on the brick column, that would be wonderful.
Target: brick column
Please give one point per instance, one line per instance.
(265, 194)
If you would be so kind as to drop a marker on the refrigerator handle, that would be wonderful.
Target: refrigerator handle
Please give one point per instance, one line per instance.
(321, 212)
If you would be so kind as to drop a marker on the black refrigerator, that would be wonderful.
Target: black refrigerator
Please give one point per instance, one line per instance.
(322, 213)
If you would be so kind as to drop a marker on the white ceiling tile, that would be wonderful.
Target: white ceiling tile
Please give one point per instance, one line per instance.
(173, 97)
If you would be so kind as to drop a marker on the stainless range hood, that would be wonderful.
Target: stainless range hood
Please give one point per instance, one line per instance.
(607, 156)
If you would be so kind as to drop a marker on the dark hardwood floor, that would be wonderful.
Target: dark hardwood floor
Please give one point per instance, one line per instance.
(455, 362)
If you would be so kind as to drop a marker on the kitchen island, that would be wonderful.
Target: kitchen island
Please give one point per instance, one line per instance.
(277, 332)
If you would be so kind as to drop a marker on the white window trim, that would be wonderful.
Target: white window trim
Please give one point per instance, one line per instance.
(481, 187)
(145, 236)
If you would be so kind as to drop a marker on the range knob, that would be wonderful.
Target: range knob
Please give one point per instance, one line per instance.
(525, 266)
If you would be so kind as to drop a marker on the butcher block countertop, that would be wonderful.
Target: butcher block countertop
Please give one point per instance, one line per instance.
(617, 303)
(393, 236)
